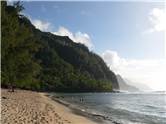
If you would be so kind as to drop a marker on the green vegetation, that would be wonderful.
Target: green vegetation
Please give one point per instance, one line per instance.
(37, 60)
(19, 67)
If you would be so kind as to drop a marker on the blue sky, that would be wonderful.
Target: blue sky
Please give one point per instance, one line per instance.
(117, 26)
(129, 36)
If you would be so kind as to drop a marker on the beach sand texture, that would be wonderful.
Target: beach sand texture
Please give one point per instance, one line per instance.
(27, 107)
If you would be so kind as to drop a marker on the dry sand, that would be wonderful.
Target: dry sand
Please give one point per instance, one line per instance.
(27, 107)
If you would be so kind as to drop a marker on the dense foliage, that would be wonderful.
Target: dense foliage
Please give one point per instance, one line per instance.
(32, 59)
(19, 67)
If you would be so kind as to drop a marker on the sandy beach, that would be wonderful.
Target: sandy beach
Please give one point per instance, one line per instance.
(27, 107)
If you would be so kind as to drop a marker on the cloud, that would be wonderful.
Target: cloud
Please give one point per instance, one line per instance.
(112, 59)
(42, 25)
(77, 37)
(157, 18)
(149, 72)
(39, 24)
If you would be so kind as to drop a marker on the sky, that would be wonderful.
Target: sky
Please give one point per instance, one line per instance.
(129, 36)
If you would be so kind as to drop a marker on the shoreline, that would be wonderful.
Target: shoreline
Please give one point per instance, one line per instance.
(74, 111)
(31, 107)
(98, 118)
(94, 117)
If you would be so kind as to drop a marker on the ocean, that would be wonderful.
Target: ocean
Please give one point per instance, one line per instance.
(119, 108)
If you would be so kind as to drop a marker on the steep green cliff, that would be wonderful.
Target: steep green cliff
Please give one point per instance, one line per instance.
(32, 59)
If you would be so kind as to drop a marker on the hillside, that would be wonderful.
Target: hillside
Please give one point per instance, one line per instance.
(124, 86)
(32, 59)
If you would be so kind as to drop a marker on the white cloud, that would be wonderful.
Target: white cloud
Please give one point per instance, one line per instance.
(157, 18)
(149, 72)
(43, 26)
(64, 32)
(77, 37)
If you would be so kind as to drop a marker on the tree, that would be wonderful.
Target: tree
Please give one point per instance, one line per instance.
(19, 66)
(32, 59)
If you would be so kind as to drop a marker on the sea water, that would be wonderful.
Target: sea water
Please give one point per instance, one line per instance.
(123, 108)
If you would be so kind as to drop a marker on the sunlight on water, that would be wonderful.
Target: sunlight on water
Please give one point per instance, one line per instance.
(124, 108)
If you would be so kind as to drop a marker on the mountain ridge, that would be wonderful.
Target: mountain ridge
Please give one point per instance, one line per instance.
(47, 61)
(124, 86)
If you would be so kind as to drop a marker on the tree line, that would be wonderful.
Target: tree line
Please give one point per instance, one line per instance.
(36, 60)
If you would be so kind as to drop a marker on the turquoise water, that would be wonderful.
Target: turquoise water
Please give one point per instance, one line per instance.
(121, 107)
